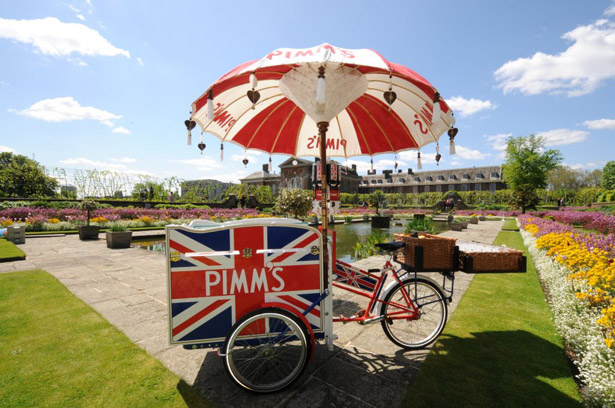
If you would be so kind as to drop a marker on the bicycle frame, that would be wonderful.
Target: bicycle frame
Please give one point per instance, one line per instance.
(408, 310)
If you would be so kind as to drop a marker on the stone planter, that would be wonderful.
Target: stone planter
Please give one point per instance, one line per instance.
(118, 239)
(16, 234)
(88, 232)
(473, 220)
(381, 221)
(464, 224)
(314, 220)
(456, 226)
(482, 218)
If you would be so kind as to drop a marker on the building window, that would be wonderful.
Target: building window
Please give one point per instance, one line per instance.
(417, 179)
(466, 176)
(402, 180)
(373, 181)
(494, 174)
(415, 189)
(440, 178)
(452, 177)
(492, 187)
(439, 188)
(480, 176)
(477, 187)
(379, 181)
(428, 178)
(464, 187)
(451, 187)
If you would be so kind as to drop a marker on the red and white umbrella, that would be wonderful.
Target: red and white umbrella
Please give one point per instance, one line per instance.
(373, 106)
(323, 101)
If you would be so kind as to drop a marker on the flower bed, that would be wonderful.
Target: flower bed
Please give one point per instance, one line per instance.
(579, 273)
(46, 219)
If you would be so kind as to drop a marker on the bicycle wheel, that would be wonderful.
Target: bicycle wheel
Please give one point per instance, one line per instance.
(266, 350)
(423, 330)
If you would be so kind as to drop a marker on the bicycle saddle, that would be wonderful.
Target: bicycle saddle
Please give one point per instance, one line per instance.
(391, 246)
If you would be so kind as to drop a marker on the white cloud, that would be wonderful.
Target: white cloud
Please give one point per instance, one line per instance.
(578, 70)
(80, 17)
(498, 142)
(557, 137)
(586, 166)
(600, 124)
(610, 11)
(140, 61)
(66, 109)
(124, 160)
(50, 36)
(82, 161)
(251, 155)
(6, 149)
(122, 130)
(468, 107)
(470, 154)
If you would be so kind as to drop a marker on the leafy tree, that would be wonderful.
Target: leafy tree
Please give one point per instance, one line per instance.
(24, 177)
(376, 200)
(593, 178)
(527, 167)
(150, 190)
(608, 176)
(293, 202)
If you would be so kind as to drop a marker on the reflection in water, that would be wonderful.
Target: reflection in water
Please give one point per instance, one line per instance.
(347, 236)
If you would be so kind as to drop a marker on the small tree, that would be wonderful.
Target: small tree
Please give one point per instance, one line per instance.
(294, 202)
(608, 176)
(88, 206)
(527, 167)
(375, 200)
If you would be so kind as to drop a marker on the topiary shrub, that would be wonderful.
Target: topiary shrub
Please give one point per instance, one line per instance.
(294, 203)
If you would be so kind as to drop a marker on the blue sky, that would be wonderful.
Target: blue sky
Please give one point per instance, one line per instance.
(107, 84)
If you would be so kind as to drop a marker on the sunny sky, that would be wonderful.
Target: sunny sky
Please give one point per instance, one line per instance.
(108, 84)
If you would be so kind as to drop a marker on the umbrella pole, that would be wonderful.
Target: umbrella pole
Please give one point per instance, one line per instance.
(322, 131)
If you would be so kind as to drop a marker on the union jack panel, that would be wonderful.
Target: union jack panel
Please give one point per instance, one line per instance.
(353, 276)
(218, 274)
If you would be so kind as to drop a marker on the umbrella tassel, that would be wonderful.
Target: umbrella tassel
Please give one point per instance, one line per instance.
(320, 88)
(419, 164)
(451, 147)
(270, 167)
(210, 105)
(371, 160)
(189, 137)
(437, 111)
(221, 151)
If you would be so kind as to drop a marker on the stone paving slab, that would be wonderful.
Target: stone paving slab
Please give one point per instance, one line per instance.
(128, 288)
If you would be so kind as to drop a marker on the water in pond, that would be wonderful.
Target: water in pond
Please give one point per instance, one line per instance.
(347, 236)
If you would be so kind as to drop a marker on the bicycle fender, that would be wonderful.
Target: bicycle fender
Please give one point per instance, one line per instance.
(392, 284)
(301, 317)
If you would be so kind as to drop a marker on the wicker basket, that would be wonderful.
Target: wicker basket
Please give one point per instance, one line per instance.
(509, 260)
(438, 252)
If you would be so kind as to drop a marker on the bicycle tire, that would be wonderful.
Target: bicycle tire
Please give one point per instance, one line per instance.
(266, 350)
(413, 334)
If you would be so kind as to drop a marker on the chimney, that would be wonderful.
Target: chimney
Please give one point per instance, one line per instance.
(354, 167)
(266, 168)
(410, 171)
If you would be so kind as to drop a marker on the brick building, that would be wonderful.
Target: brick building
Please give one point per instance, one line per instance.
(487, 178)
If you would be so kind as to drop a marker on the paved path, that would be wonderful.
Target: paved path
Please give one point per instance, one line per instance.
(128, 288)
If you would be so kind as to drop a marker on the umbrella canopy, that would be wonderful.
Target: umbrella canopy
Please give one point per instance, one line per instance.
(372, 106)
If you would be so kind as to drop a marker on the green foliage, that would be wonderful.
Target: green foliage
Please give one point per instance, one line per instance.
(418, 224)
(608, 176)
(368, 248)
(150, 191)
(294, 203)
(376, 200)
(24, 177)
(527, 167)
(181, 207)
(118, 227)
(88, 206)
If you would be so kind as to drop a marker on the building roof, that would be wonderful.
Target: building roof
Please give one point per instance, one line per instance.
(260, 175)
(300, 162)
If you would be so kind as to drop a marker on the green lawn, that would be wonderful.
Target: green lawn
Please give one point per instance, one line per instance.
(510, 224)
(499, 349)
(9, 251)
(57, 351)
